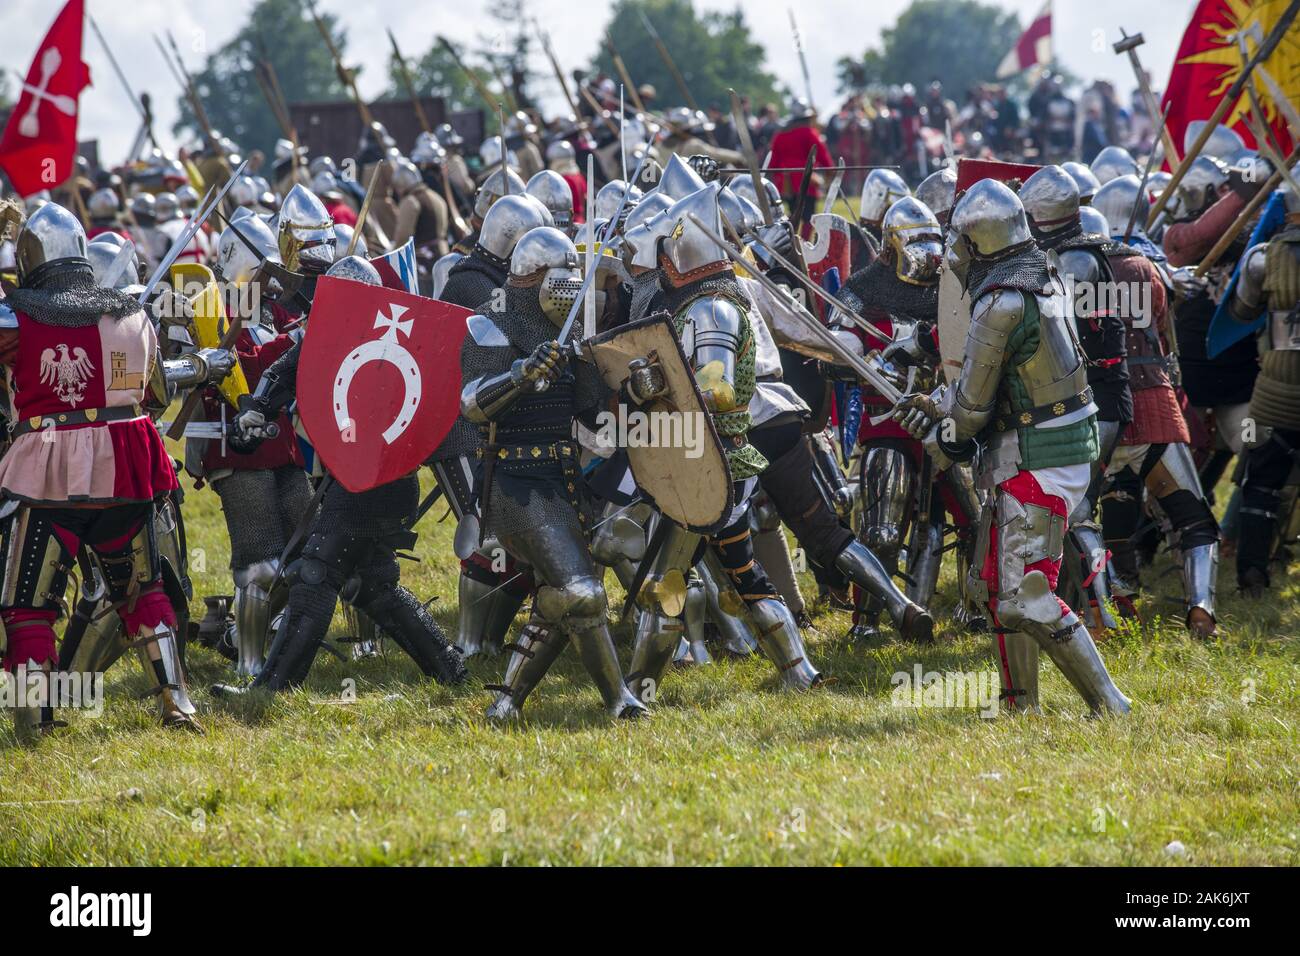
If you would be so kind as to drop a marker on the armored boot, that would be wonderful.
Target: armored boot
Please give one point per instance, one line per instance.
(1200, 577)
(862, 567)
(1017, 659)
(32, 719)
(252, 608)
(596, 648)
(779, 637)
(300, 634)
(655, 644)
(772, 552)
(102, 642)
(217, 628)
(1093, 560)
(531, 656)
(161, 657)
(697, 610)
(724, 607)
(925, 554)
(484, 617)
(1072, 649)
(401, 616)
(363, 636)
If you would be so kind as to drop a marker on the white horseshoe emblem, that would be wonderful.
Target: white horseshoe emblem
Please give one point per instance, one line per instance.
(388, 349)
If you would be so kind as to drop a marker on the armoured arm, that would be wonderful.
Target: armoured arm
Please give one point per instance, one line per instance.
(1083, 271)
(970, 403)
(1248, 297)
(278, 384)
(712, 338)
(489, 395)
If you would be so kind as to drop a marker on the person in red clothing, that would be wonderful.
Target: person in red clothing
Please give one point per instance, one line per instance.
(561, 157)
(265, 492)
(790, 148)
(86, 465)
(326, 186)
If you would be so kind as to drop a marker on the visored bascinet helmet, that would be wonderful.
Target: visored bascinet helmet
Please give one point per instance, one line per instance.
(546, 258)
(306, 236)
(236, 262)
(494, 187)
(1084, 179)
(913, 240)
(355, 268)
(988, 222)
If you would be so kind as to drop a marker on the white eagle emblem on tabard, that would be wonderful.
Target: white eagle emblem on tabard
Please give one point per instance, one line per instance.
(67, 372)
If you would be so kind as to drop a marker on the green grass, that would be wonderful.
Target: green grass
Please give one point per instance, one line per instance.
(728, 770)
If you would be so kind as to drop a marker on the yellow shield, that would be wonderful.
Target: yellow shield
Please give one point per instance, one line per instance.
(197, 283)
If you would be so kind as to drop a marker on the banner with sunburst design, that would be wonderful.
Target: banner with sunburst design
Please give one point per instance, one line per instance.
(1209, 60)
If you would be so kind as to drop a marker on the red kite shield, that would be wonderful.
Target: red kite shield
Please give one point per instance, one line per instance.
(378, 380)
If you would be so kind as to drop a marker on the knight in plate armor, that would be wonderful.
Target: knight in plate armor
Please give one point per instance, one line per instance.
(1023, 394)
(86, 466)
(698, 289)
(1269, 283)
(524, 391)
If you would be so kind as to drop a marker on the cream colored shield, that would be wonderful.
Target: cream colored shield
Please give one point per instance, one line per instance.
(672, 447)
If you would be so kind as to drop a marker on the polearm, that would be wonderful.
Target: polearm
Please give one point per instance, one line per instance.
(506, 91)
(453, 211)
(857, 363)
(273, 82)
(803, 62)
(816, 169)
(409, 83)
(475, 80)
(365, 208)
(664, 55)
(1129, 44)
(192, 94)
(1146, 175)
(555, 67)
(1262, 52)
(672, 67)
(591, 101)
(130, 94)
(346, 76)
(1244, 217)
(806, 281)
(623, 74)
(610, 228)
(751, 157)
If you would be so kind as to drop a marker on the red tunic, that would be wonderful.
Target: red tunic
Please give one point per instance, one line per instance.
(1186, 243)
(341, 213)
(790, 148)
(276, 452)
(578, 186)
(1157, 419)
(54, 371)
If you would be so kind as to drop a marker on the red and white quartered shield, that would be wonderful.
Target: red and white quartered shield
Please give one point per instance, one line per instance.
(378, 380)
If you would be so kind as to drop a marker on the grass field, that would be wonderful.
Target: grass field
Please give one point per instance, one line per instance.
(728, 770)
